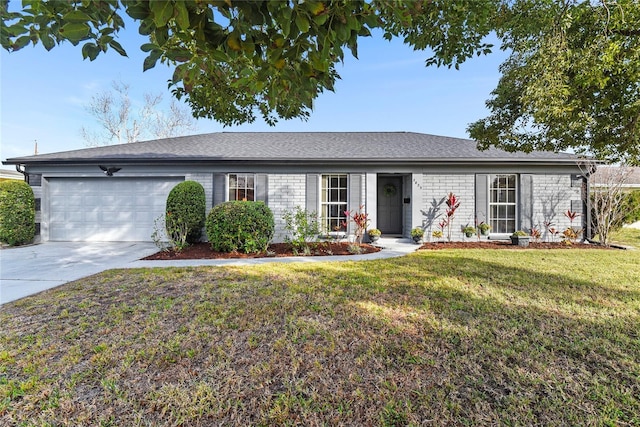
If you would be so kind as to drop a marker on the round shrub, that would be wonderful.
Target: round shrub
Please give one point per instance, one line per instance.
(186, 211)
(17, 213)
(240, 226)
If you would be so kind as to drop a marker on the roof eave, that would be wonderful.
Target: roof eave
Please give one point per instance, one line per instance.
(262, 161)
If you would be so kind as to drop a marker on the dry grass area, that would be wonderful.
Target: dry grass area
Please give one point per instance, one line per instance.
(450, 337)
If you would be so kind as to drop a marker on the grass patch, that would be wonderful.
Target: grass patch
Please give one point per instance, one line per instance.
(627, 236)
(439, 337)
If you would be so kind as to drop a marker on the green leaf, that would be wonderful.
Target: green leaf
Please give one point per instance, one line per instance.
(302, 23)
(47, 41)
(147, 47)
(21, 42)
(162, 12)
(117, 47)
(76, 16)
(90, 50)
(219, 55)
(182, 16)
(74, 32)
(151, 60)
(138, 11)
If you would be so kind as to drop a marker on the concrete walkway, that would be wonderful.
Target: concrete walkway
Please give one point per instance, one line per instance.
(32, 269)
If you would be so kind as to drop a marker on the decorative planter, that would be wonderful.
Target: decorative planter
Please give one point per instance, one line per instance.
(484, 232)
(417, 239)
(520, 240)
(468, 234)
(373, 239)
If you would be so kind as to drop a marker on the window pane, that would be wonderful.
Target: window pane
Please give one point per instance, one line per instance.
(333, 201)
(502, 203)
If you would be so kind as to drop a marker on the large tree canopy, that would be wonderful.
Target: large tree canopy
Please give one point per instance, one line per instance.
(572, 80)
(234, 59)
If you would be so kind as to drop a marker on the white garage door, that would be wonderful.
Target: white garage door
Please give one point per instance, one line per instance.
(106, 209)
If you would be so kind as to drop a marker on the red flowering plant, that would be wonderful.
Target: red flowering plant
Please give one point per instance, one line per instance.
(453, 203)
(571, 233)
(360, 220)
(536, 234)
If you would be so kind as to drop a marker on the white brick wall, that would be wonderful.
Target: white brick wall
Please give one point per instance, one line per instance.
(286, 191)
(435, 188)
(552, 196)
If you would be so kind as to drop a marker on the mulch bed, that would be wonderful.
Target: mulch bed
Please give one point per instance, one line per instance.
(204, 251)
(498, 244)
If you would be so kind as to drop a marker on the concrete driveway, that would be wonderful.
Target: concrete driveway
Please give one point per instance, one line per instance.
(31, 269)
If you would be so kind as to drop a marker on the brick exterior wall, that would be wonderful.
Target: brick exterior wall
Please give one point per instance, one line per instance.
(552, 197)
(435, 188)
(286, 191)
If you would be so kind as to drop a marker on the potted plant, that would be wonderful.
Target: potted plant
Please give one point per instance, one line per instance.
(416, 234)
(374, 234)
(484, 228)
(520, 238)
(469, 231)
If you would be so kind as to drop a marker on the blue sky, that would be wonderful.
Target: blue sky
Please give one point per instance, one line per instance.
(387, 89)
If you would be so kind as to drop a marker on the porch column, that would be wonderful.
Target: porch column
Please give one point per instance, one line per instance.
(417, 205)
(371, 198)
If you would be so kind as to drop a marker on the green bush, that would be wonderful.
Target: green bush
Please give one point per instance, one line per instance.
(302, 226)
(17, 213)
(185, 213)
(240, 226)
(631, 204)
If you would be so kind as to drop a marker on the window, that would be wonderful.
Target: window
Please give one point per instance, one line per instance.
(241, 187)
(334, 202)
(502, 203)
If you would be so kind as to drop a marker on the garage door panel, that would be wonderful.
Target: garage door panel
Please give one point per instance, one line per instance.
(106, 209)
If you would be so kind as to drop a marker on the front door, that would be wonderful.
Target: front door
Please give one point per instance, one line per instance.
(390, 204)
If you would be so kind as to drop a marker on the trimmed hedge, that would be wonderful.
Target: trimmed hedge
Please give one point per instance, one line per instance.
(240, 226)
(17, 213)
(186, 209)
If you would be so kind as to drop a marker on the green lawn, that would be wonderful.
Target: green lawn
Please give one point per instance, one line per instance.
(627, 236)
(464, 337)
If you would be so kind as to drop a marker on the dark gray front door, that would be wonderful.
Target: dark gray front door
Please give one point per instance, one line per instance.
(390, 204)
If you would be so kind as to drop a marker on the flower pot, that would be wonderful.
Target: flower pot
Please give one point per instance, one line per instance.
(468, 234)
(522, 241)
(417, 239)
(484, 232)
(373, 239)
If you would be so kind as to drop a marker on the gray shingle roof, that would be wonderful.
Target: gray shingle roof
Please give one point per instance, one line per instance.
(297, 147)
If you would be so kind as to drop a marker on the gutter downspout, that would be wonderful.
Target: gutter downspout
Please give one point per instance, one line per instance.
(588, 225)
(23, 172)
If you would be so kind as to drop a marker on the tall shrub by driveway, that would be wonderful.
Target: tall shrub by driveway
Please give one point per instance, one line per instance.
(240, 226)
(185, 213)
(17, 213)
